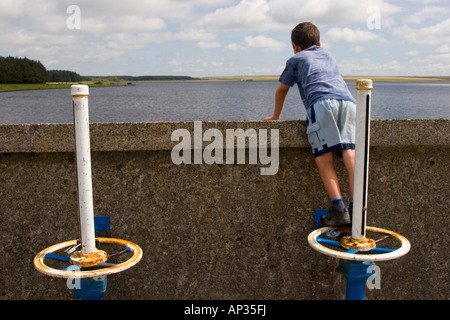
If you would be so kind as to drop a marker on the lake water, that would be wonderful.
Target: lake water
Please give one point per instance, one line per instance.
(221, 100)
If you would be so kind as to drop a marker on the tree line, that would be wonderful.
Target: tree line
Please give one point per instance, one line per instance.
(63, 76)
(24, 70)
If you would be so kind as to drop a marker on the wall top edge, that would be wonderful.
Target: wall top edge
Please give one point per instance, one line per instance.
(141, 136)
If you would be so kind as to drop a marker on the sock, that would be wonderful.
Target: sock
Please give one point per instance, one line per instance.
(338, 203)
(350, 206)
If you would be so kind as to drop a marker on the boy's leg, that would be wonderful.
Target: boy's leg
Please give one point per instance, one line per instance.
(348, 156)
(337, 215)
(328, 175)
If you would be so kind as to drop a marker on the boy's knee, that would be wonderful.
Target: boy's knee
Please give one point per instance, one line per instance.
(348, 153)
(325, 160)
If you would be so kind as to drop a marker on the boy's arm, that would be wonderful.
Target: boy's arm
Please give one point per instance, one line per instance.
(280, 97)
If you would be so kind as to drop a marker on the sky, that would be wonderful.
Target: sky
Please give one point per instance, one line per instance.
(202, 38)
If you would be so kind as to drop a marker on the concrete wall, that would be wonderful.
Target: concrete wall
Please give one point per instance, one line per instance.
(220, 231)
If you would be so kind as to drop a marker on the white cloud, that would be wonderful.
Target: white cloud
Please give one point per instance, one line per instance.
(124, 41)
(388, 68)
(11, 7)
(205, 39)
(426, 1)
(265, 43)
(264, 15)
(351, 35)
(195, 35)
(423, 66)
(431, 35)
(246, 15)
(442, 54)
(445, 48)
(208, 44)
(327, 12)
(428, 14)
(174, 62)
(137, 23)
(358, 49)
(236, 47)
(259, 42)
(171, 10)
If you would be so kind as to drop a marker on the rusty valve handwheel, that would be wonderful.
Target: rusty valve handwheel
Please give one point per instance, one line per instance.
(375, 254)
(91, 272)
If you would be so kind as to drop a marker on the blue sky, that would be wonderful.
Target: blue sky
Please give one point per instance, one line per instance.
(226, 37)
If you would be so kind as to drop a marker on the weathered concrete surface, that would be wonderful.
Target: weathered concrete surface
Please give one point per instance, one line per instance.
(219, 231)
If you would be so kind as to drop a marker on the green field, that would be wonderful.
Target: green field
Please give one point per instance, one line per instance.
(54, 85)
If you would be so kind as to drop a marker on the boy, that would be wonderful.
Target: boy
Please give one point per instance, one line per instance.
(331, 112)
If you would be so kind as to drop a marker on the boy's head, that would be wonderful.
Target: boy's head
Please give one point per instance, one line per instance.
(305, 35)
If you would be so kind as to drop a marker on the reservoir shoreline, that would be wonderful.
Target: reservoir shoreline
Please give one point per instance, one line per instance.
(108, 83)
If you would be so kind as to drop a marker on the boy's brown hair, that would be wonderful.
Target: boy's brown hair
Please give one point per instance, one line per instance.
(305, 35)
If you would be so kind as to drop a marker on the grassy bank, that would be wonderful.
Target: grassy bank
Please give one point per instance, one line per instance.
(399, 79)
(241, 78)
(347, 78)
(53, 85)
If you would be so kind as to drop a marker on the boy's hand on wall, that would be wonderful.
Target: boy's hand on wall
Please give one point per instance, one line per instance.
(271, 118)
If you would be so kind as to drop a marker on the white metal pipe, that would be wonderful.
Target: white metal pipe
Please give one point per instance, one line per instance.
(362, 145)
(80, 95)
